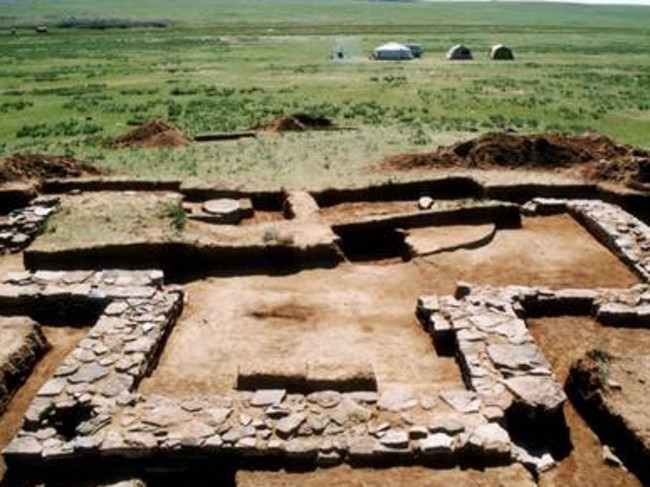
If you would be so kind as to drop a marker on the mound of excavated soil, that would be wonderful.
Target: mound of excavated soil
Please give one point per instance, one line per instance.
(156, 133)
(596, 156)
(21, 167)
(297, 122)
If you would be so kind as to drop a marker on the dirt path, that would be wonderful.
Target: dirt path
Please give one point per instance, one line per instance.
(62, 340)
(564, 340)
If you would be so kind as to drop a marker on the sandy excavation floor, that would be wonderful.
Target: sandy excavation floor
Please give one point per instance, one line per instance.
(513, 476)
(364, 312)
(357, 313)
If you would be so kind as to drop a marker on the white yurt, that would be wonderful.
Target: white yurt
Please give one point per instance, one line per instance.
(392, 52)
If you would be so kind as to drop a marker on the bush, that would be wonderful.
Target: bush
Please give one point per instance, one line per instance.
(174, 211)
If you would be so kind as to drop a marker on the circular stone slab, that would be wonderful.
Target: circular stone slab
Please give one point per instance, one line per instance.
(227, 210)
(223, 206)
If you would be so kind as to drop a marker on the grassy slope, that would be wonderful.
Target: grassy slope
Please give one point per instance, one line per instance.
(578, 68)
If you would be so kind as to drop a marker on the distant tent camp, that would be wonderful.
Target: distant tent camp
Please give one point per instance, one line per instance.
(392, 52)
(416, 49)
(501, 53)
(459, 52)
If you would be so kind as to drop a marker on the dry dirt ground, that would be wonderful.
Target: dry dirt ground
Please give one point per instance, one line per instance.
(367, 310)
(364, 312)
(348, 211)
(11, 262)
(109, 217)
(564, 340)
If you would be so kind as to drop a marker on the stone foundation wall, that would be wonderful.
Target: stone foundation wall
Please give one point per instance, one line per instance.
(91, 407)
(22, 225)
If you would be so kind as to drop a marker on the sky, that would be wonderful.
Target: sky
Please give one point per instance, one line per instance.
(605, 2)
(592, 2)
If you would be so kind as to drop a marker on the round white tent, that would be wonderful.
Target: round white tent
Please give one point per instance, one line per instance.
(392, 52)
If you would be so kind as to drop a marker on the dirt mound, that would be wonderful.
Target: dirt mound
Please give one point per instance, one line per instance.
(156, 133)
(595, 156)
(21, 167)
(297, 122)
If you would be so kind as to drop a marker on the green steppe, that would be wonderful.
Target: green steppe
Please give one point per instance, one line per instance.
(224, 65)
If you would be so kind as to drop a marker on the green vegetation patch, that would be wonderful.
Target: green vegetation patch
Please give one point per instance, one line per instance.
(225, 65)
(110, 218)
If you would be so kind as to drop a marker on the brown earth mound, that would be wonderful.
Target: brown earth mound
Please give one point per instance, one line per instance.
(296, 122)
(21, 167)
(596, 156)
(156, 133)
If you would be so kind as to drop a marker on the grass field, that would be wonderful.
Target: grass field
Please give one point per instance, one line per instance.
(221, 65)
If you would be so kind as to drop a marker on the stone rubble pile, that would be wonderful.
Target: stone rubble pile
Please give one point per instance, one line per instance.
(108, 363)
(626, 307)
(496, 352)
(23, 224)
(324, 428)
(625, 235)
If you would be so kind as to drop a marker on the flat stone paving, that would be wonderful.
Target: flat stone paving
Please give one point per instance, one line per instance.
(22, 225)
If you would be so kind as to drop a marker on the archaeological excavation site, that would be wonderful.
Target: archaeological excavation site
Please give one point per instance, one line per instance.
(453, 330)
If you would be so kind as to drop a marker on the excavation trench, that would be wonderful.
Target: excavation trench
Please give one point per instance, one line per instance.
(354, 311)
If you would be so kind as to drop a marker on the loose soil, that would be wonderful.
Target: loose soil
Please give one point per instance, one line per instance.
(156, 133)
(296, 122)
(591, 156)
(564, 340)
(25, 167)
(63, 340)
(364, 312)
(351, 211)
